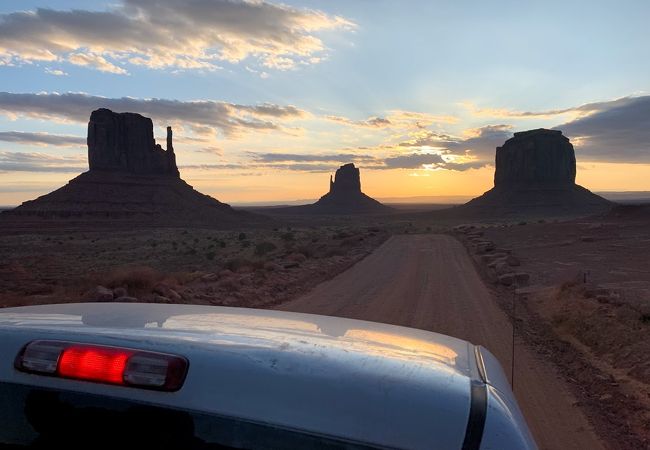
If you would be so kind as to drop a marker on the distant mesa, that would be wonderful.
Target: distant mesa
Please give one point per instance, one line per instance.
(344, 197)
(130, 177)
(345, 194)
(535, 175)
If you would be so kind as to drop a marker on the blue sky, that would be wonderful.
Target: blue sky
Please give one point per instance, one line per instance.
(449, 81)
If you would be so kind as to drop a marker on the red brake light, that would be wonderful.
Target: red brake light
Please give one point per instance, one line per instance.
(103, 364)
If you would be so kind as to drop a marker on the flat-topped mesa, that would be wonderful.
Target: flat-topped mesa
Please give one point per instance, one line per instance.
(124, 142)
(535, 177)
(535, 158)
(346, 180)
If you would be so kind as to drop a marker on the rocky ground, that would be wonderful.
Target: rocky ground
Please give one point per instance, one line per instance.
(582, 290)
(244, 268)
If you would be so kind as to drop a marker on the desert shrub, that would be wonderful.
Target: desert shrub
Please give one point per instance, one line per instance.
(341, 235)
(263, 248)
(231, 284)
(351, 241)
(306, 250)
(245, 244)
(242, 236)
(222, 244)
(239, 264)
(296, 257)
(289, 236)
(180, 278)
(235, 264)
(645, 318)
(334, 251)
(210, 255)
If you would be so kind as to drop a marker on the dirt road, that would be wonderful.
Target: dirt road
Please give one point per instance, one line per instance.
(429, 282)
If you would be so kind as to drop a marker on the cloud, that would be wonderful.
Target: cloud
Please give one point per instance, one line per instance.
(292, 157)
(616, 131)
(211, 150)
(413, 160)
(372, 122)
(396, 119)
(481, 142)
(169, 33)
(28, 138)
(228, 118)
(40, 162)
(55, 72)
(95, 61)
(429, 161)
(427, 138)
(578, 111)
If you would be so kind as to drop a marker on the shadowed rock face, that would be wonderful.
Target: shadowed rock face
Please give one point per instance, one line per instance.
(535, 176)
(346, 181)
(124, 142)
(537, 157)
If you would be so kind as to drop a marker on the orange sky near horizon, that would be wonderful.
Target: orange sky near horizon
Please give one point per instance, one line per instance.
(263, 186)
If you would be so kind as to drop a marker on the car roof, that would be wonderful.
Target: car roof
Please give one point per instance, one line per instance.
(359, 380)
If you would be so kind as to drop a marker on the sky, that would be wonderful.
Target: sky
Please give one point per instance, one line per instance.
(267, 99)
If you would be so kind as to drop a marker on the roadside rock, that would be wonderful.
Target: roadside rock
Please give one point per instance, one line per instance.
(501, 268)
(126, 299)
(165, 291)
(99, 294)
(507, 279)
(160, 299)
(522, 278)
(120, 292)
(512, 261)
(209, 277)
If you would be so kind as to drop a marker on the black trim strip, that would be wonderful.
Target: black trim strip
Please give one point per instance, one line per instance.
(476, 420)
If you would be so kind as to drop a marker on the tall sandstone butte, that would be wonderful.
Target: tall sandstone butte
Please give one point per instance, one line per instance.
(124, 142)
(345, 196)
(543, 158)
(535, 176)
(130, 177)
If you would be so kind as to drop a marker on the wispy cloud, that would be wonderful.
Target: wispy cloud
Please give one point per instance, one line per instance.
(310, 157)
(40, 162)
(55, 72)
(168, 33)
(228, 118)
(372, 122)
(29, 138)
(395, 119)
